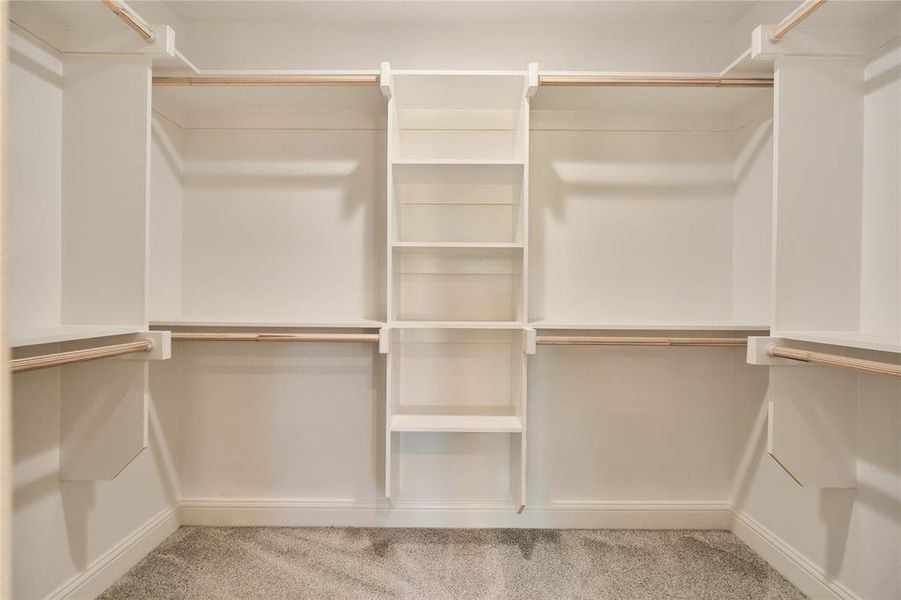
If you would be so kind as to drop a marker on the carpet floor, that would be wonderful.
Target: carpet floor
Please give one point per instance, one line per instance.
(244, 563)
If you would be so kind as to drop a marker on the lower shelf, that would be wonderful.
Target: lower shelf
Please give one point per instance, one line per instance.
(457, 423)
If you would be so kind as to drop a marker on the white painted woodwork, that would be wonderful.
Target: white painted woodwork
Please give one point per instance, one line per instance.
(106, 126)
(457, 262)
(821, 294)
(836, 254)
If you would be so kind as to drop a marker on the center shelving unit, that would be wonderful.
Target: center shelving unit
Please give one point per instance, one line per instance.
(457, 259)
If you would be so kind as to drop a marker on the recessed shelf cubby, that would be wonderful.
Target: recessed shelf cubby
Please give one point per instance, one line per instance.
(458, 203)
(460, 114)
(457, 284)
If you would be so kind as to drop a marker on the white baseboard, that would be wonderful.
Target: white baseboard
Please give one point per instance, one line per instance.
(116, 561)
(793, 565)
(302, 512)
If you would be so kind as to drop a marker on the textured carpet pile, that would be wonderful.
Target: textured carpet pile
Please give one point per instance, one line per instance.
(226, 563)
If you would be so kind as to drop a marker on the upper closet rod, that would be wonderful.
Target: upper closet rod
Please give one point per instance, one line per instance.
(188, 336)
(834, 360)
(324, 79)
(63, 358)
(131, 18)
(569, 340)
(795, 18)
(653, 81)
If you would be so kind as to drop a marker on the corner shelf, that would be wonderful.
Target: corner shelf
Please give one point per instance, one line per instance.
(847, 339)
(68, 333)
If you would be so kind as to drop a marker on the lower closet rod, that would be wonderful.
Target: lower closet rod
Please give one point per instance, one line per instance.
(64, 358)
(187, 336)
(834, 360)
(570, 340)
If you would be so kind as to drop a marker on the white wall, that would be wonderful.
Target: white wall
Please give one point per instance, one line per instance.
(61, 528)
(166, 166)
(35, 173)
(752, 215)
(276, 422)
(852, 535)
(465, 44)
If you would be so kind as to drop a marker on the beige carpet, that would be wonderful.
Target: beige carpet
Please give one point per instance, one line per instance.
(225, 563)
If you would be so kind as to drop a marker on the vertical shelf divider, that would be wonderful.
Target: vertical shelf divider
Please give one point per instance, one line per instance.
(457, 253)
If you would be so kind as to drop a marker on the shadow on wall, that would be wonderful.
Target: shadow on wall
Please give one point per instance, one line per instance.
(874, 505)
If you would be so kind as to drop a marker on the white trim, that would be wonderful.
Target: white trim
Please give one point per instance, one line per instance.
(116, 561)
(793, 565)
(304, 512)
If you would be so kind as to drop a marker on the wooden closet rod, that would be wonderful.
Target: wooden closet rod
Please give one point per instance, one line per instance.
(188, 336)
(131, 18)
(795, 18)
(834, 360)
(630, 81)
(591, 340)
(64, 358)
(222, 80)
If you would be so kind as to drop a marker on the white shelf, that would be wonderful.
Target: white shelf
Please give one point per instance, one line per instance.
(456, 325)
(463, 162)
(457, 423)
(848, 339)
(68, 333)
(647, 326)
(471, 245)
(213, 321)
(745, 66)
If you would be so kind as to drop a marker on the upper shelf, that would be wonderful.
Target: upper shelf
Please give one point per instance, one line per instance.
(663, 98)
(214, 321)
(271, 107)
(67, 333)
(459, 90)
(646, 326)
(745, 66)
(847, 339)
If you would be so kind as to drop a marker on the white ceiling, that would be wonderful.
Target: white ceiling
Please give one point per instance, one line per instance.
(381, 11)
(496, 11)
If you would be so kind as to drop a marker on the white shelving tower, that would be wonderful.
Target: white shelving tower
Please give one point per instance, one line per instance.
(457, 258)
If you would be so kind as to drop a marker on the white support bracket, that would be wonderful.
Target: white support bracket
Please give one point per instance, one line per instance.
(533, 79)
(162, 346)
(386, 82)
(530, 340)
(815, 41)
(384, 340)
(757, 352)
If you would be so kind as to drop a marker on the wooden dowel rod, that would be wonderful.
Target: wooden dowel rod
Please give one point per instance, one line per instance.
(616, 81)
(188, 336)
(570, 340)
(131, 18)
(336, 79)
(834, 360)
(64, 358)
(795, 18)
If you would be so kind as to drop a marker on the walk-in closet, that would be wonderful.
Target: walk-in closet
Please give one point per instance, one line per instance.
(451, 299)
